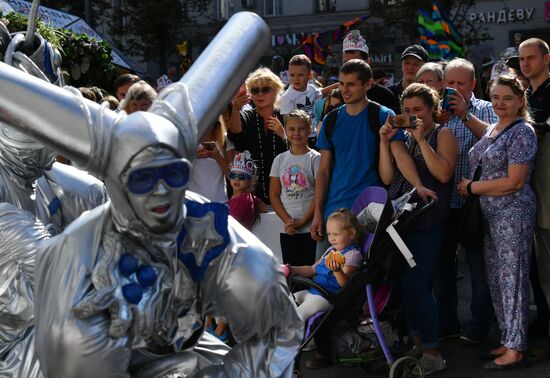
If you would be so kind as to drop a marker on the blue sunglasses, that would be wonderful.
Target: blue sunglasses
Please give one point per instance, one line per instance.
(238, 176)
(143, 180)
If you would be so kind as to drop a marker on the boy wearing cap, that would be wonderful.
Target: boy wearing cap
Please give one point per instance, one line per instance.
(412, 59)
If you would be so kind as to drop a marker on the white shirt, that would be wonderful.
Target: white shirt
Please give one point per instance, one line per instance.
(292, 99)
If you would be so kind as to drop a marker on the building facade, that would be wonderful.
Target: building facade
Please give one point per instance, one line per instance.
(509, 22)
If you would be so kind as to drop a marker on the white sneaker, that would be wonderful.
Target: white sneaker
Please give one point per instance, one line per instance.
(432, 364)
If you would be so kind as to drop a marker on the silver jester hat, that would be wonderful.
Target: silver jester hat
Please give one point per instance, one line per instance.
(105, 142)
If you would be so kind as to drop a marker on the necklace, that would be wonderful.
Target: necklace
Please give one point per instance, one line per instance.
(261, 163)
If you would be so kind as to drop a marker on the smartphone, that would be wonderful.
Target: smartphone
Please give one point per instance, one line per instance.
(403, 121)
(445, 105)
(209, 146)
(242, 89)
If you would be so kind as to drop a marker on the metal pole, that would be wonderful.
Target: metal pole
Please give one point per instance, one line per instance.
(215, 76)
(31, 26)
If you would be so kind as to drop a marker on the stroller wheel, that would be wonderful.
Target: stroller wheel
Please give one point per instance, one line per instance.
(407, 367)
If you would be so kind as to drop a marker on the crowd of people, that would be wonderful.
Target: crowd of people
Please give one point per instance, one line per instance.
(306, 151)
(315, 148)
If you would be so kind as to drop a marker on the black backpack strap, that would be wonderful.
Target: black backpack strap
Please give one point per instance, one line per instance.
(373, 117)
(330, 123)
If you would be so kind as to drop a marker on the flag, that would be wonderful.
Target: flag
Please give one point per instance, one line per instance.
(453, 35)
(317, 46)
(427, 34)
(438, 35)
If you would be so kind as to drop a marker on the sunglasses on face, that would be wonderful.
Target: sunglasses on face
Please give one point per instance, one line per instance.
(143, 180)
(257, 90)
(238, 176)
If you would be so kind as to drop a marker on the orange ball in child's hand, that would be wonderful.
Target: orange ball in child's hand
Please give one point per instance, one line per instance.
(337, 257)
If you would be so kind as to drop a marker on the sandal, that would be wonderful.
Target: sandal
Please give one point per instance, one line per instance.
(492, 365)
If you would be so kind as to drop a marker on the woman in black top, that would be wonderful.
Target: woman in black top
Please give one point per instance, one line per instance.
(260, 129)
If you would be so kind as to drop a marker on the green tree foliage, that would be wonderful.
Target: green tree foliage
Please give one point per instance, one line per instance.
(151, 29)
(85, 61)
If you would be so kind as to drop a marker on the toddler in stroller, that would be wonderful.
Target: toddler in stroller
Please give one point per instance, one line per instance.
(336, 265)
(386, 258)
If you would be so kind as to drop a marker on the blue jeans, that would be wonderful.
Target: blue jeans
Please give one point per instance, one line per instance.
(419, 302)
(481, 306)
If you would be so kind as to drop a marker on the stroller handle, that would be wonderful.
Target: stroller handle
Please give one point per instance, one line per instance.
(311, 284)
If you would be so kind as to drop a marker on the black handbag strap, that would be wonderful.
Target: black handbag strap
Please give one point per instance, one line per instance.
(477, 172)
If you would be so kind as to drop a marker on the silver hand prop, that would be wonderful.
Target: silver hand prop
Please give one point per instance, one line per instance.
(69, 124)
(31, 26)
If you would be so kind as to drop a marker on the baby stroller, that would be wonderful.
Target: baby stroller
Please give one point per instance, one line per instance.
(386, 258)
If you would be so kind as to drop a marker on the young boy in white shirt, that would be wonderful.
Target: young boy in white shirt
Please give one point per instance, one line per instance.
(300, 94)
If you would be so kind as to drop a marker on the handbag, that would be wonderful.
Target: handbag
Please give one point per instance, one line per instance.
(470, 219)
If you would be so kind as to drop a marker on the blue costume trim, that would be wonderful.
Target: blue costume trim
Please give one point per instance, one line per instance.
(198, 210)
(54, 206)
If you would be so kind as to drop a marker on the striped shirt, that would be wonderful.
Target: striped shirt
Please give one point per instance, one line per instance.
(482, 110)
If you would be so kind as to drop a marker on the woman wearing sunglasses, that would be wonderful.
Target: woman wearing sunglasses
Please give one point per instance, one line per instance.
(260, 129)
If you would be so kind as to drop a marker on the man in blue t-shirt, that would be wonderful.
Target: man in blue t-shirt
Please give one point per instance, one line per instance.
(348, 160)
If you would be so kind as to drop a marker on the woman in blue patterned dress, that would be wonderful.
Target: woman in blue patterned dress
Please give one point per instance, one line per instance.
(508, 207)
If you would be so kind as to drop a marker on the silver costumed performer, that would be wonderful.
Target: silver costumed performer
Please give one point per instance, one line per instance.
(31, 185)
(124, 290)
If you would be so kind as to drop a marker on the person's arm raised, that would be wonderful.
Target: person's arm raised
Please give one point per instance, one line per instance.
(238, 102)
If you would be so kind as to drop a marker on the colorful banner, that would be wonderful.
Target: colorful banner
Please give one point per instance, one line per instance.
(317, 46)
(438, 34)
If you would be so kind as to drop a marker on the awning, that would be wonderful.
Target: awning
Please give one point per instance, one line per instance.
(58, 19)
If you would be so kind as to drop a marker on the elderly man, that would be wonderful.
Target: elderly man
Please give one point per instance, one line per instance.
(467, 119)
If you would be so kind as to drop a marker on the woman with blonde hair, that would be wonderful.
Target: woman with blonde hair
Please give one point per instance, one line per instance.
(505, 156)
(259, 129)
(139, 97)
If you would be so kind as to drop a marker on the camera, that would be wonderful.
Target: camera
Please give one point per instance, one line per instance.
(209, 146)
(403, 121)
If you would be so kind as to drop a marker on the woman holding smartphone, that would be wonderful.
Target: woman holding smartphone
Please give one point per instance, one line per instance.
(214, 155)
(434, 151)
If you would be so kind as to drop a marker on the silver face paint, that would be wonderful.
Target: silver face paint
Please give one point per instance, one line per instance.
(160, 208)
(88, 323)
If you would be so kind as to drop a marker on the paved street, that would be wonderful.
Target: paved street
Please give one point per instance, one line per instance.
(463, 360)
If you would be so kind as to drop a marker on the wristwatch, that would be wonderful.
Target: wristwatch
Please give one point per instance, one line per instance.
(467, 117)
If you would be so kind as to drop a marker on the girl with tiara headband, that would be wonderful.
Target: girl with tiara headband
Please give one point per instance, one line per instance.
(244, 206)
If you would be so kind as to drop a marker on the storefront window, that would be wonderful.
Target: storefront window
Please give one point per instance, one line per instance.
(326, 5)
(273, 7)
